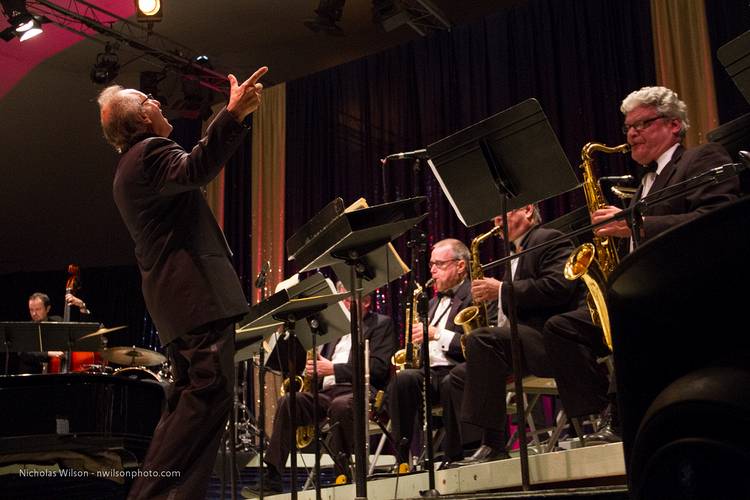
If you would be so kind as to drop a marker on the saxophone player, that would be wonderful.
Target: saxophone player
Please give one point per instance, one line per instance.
(655, 123)
(474, 391)
(335, 398)
(449, 267)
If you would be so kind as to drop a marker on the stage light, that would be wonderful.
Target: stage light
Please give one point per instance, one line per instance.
(29, 29)
(148, 11)
(106, 67)
(22, 23)
(328, 14)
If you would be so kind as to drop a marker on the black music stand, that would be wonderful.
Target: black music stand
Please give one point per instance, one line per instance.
(28, 336)
(735, 57)
(288, 309)
(513, 157)
(349, 237)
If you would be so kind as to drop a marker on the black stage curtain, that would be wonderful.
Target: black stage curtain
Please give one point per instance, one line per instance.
(238, 212)
(726, 21)
(578, 58)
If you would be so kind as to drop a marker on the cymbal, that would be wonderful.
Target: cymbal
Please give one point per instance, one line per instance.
(133, 356)
(102, 331)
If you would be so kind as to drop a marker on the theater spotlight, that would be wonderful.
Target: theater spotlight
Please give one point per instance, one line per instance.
(106, 67)
(22, 24)
(148, 11)
(328, 14)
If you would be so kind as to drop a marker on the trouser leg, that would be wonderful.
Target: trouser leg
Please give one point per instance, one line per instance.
(187, 437)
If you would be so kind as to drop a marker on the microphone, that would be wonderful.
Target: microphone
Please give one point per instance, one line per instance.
(417, 153)
(260, 281)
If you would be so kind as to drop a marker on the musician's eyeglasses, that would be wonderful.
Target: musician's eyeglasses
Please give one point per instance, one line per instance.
(641, 125)
(441, 264)
(148, 97)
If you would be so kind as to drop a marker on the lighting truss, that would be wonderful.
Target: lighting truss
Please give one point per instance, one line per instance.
(95, 23)
(424, 17)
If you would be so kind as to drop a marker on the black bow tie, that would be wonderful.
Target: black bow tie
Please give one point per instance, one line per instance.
(446, 293)
(645, 169)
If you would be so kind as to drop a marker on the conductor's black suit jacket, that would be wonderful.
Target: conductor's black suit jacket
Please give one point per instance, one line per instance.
(187, 276)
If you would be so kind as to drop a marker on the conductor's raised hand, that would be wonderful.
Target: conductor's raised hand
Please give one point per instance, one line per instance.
(244, 98)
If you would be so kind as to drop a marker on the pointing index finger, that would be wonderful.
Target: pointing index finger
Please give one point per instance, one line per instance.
(256, 76)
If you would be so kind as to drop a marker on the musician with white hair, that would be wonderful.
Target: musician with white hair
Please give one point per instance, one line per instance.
(655, 124)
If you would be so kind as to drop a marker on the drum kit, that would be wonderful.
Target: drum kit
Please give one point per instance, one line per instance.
(136, 363)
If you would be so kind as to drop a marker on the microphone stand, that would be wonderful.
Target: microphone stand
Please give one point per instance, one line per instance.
(260, 284)
(515, 345)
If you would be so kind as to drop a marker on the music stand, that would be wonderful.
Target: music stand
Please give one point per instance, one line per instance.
(289, 309)
(386, 264)
(347, 238)
(28, 336)
(735, 57)
(734, 136)
(513, 157)
(503, 156)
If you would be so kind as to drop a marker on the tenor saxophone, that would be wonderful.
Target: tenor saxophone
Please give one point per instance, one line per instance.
(594, 262)
(475, 316)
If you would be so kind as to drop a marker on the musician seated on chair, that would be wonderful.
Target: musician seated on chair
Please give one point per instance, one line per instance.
(335, 399)
(39, 310)
(655, 124)
(474, 392)
(449, 268)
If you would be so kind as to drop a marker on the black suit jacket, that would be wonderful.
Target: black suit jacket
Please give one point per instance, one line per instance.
(379, 330)
(686, 163)
(541, 290)
(187, 276)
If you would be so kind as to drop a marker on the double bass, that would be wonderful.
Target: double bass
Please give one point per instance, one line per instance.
(79, 360)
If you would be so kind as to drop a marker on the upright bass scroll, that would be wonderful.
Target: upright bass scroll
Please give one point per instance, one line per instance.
(71, 285)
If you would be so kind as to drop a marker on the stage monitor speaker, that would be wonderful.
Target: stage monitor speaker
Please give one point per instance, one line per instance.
(682, 358)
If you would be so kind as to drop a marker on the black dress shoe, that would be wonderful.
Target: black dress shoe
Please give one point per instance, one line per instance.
(485, 454)
(604, 435)
(607, 432)
(449, 464)
(271, 486)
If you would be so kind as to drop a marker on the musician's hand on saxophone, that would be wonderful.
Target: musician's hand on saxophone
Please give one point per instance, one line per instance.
(618, 228)
(325, 367)
(417, 335)
(485, 289)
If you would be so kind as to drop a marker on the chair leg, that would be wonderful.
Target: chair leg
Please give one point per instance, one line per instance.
(560, 422)
(378, 451)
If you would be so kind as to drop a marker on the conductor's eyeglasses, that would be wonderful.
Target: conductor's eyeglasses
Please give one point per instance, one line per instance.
(148, 97)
